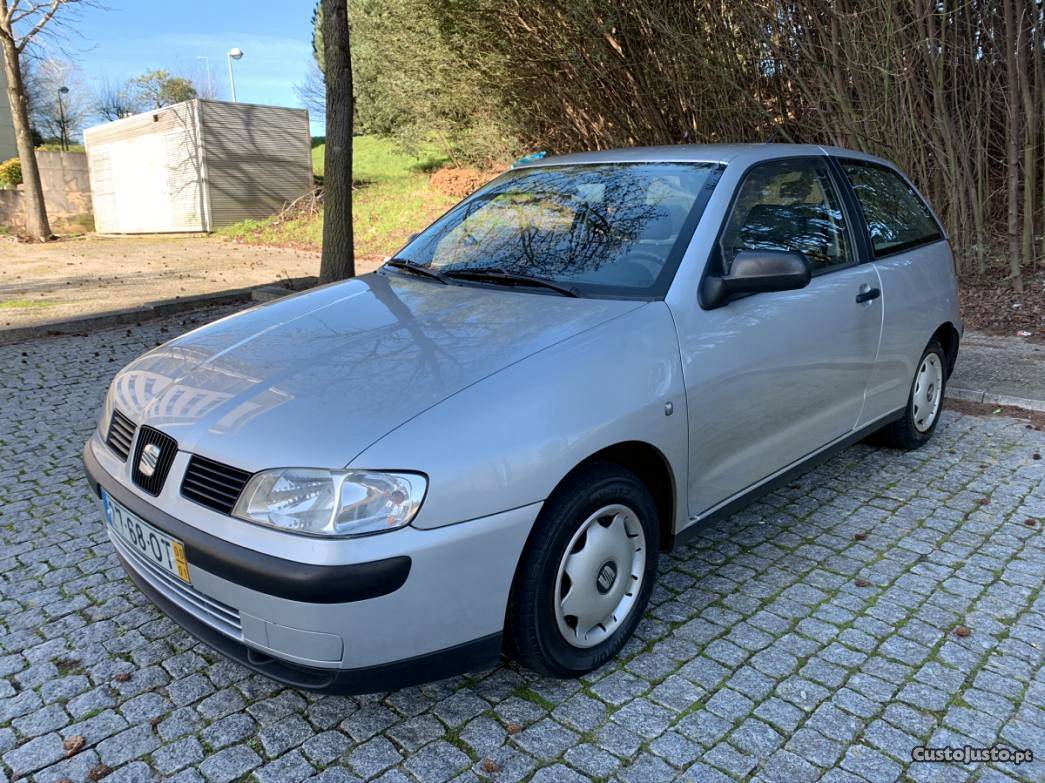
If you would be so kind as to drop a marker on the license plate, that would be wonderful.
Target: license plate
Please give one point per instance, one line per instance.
(155, 546)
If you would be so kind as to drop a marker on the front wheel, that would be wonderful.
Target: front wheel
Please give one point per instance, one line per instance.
(924, 402)
(586, 575)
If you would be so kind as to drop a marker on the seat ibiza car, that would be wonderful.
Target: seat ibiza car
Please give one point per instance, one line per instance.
(485, 445)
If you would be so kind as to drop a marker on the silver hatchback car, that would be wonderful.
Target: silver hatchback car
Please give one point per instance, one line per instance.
(485, 445)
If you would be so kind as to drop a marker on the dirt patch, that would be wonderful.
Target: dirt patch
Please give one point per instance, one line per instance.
(1035, 419)
(78, 277)
(460, 182)
(997, 310)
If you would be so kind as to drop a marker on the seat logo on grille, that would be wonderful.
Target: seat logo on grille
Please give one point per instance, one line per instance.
(150, 456)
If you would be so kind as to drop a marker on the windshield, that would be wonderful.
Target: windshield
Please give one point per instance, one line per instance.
(603, 229)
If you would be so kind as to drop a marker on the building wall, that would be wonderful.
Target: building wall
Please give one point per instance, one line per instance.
(256, 159)
(8, 149)
(145, 172)
(67, 192)
(197, 166)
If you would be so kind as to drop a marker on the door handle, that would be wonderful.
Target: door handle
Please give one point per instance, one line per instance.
(868, 294)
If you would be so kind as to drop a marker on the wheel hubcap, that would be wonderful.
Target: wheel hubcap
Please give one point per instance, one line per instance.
(600, 576)
(926, 395)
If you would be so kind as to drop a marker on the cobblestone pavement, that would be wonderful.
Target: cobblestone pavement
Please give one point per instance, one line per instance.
(884, 601)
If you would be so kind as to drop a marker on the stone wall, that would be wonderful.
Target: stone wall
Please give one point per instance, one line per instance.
(67, 192)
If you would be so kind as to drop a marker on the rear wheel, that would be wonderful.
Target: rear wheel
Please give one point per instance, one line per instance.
(586, 575)
(924, 402)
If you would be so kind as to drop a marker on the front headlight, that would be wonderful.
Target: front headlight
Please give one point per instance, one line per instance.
(335, 503)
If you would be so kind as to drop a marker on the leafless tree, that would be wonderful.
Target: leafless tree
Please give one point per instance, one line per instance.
(114, 100)
(312, 91)
(55, 114)
(952, 90)
(21, 21)
(338, 260)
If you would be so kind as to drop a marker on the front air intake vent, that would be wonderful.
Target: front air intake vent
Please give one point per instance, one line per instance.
(153, 456)
(213, 484)
(120, 435)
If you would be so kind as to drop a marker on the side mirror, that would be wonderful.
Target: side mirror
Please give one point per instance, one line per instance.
(757, 271)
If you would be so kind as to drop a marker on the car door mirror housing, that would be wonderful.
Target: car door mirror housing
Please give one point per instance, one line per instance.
(756, 271)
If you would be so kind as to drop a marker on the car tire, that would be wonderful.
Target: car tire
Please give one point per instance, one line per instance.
(924, 402)
(602, 527)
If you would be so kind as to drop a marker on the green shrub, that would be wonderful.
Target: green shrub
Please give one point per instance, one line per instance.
(10, 173)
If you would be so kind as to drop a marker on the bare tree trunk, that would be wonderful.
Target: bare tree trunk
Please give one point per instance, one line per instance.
(1030, 119)
(1012, 143)
(338, 261)
(37, 225)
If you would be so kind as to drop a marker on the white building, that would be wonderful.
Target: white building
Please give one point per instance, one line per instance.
(197, 166)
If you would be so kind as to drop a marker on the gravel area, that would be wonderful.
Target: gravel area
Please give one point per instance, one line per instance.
(89, 275)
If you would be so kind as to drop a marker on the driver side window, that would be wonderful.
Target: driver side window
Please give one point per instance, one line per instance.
(789, 204)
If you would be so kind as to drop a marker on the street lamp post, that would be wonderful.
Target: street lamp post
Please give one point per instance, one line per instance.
(235, 53)
(61, 116)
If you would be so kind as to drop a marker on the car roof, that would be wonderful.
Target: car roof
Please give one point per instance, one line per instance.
(699, 153)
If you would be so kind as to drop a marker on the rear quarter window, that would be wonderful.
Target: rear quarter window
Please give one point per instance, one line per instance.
(897, 218)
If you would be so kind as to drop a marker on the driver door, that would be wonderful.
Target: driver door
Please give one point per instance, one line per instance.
(773, 377)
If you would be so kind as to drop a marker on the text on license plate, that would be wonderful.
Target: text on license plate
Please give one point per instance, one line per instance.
(156, 547)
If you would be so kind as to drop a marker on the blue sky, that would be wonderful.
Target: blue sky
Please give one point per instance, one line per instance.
(128, 37)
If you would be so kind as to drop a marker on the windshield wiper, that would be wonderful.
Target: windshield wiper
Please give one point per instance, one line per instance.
(497, 275)
(415, 269)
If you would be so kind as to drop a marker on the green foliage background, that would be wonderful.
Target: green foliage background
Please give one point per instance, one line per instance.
(412, 86)
(10, 173)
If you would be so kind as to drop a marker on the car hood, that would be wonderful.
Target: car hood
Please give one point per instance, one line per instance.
(313, 379)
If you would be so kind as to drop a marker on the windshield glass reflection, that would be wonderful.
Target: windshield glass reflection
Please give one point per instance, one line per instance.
(612, 229)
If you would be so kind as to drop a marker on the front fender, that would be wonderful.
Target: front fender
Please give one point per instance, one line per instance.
(508, 440)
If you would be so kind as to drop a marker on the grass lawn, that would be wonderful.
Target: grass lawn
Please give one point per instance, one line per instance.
(24, 304)
(392, 200)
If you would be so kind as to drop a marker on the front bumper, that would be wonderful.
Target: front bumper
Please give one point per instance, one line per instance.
(432, 610)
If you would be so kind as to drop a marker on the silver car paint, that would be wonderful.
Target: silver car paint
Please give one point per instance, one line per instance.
(771, 378)
(496, 395)
(314, 380)
(510, 440)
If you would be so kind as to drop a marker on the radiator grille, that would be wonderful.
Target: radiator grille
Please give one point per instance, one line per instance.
(120, 435)
(213, 484)
(168, 448)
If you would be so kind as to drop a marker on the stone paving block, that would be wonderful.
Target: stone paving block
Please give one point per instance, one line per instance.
(229, 764)
(35, 754)
(558, 773)
(592, 761)
(643, 717)
(646, 768)
(510, 765)
(786, 767)
(373, 757)
(290, 768)
(178, 755)
(582, 713)
(414, 732)
(133, 743)
(436, 762)
(280, 737)
(676, 749)
(546, 739)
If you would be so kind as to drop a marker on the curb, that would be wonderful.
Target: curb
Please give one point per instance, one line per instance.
(996, 399)
(159, 309)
